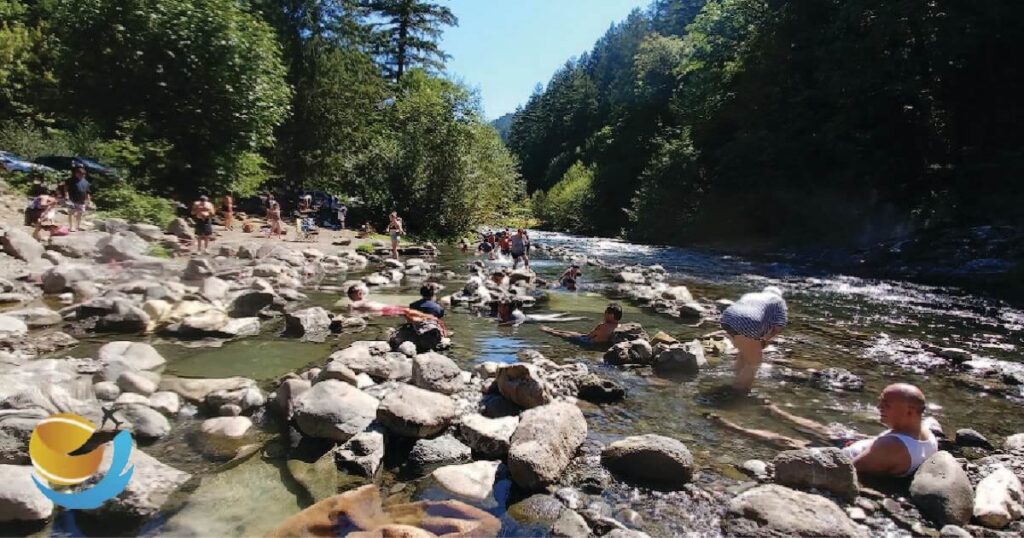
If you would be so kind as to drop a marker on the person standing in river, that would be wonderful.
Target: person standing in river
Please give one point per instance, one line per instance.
(520, 243)
(751, 323)
(395, 230)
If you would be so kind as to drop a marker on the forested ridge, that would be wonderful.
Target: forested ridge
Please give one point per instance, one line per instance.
(210, 96)
(773, 121)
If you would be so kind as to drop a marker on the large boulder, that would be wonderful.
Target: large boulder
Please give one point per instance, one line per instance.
(410, 411)
(147, 423)
(287, 395)
(59, 278)
(151, 485)
(148, 232)
(774, 511)
(121, 247)
(251, 303)
(473, 481)
(37, 317)
(651, 460)
(544, 442)
(942, 491)
(628, 332)
(426, 335)
(679, 359)
(999, 499)
(21, 245)
(310, 323)
(214, 289)
(435, 372)
(20, 499)
(524, 385)
(181, 229)
(334, 410)
(489, 437)
(198, 269)
(826, 469)
(135, 383)
(374, 359)
(596, 389)
(12, 327)
(138, 355)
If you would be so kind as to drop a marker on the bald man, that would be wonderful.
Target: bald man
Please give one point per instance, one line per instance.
(898, 451)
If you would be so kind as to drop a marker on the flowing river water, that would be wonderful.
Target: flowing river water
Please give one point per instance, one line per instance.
(875, 329)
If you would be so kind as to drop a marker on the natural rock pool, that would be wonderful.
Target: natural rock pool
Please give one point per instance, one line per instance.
(881, 331)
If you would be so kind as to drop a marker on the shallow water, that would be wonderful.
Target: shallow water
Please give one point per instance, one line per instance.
(873, 328)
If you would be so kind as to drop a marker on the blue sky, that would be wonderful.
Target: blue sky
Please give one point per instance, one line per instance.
(504, 48)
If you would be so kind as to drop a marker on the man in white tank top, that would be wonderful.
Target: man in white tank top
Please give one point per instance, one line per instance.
(898, 451)
(901, 449)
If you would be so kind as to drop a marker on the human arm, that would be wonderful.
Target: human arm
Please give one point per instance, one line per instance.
(885, 456)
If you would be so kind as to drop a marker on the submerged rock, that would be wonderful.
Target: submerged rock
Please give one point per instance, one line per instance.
(776, 511)
(942, 491)
(445, 450)
(817, 468)
(544, 442)
(310, 323)
(679, 359)
(631, 352)
(650, 460)
(138, 355)
(595, 389)
(837, 379)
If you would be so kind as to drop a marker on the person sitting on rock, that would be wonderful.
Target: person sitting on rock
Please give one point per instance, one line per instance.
(427, 304)
(601, 334)
(751, 323)
(898, 451)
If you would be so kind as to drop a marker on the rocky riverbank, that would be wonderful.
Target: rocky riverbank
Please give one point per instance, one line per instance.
(394, 433)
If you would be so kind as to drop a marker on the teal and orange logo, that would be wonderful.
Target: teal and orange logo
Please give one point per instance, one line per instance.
(52, 446)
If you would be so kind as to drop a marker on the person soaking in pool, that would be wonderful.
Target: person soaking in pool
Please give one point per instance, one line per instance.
(602, 334)
(898, 451)
(751, 323)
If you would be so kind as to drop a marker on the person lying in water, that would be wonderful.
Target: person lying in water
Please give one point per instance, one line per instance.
(898, 451)
(358, 303)
(602, 334)
(508, 312)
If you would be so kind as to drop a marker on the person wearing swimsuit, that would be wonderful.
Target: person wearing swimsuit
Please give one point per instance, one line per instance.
(898, 451)
(227, 207)
(202, 214)
(396, 230)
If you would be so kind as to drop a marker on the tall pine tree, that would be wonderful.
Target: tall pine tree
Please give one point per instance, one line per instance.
(408, 32)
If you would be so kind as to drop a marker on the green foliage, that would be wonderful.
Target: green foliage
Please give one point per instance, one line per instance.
(408, 34)
(567, 204)
(365, 248)
(158, 250)
(123, 201)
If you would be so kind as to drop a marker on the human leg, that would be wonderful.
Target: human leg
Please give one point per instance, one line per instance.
(747, 362)
(804, 424)
(761, 435)
(558, 333)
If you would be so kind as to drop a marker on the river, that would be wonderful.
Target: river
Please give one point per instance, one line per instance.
(877, 329)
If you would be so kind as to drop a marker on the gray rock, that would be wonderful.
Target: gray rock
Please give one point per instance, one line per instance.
(20, 499)
(999, 499)
(628, 332)
(819, 468)
(363, 454)
(967, 437)
(832, 379)
(137, 355)
(106, 390)
(196, 390)
(165, 402)
(755, 468)
(337, 370)
(776, 511)
(251, 303)
(214, 288)
(121, 247)
(952, 531)
(151, 485)
(651, 460)
(473, 481)
(538, 509)
(595, 389)
(241, 327)
(37, 317)
(408, 349)
(489, 437)
(630, 352)
(21, 245)
(1014, 442)
(334, 410)
(148, 232)
(435, 372)
(11, 327)
(314, 322)
(181, 228)
(147, 423)
(229, 410)
(288, 393)
(410, 411)
(135, 382)
(523, 385)
(60, 278)
(679, 359)
(246, 398)
(942, 491)
(427, 454)
(226, 428)
(544, 442)
(130, 398)
(570, 525)
(16, 427)
(198, 269)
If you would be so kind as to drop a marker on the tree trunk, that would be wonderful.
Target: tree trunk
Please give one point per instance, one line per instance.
(403, 36)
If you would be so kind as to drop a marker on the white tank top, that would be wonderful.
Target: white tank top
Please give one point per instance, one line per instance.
(918, 450)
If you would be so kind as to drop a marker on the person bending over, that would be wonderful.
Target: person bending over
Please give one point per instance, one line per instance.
(751, 323)
(570, 277)
(898, 451)
(601, 334)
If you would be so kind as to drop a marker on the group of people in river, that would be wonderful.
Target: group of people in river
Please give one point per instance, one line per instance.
(505, 243)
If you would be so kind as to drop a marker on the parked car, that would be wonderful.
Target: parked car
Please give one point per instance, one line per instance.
(15, 163)
(92, 167)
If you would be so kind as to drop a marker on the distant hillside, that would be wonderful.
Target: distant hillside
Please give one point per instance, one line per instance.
(503, 124)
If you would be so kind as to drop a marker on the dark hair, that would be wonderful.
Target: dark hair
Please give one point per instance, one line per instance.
(615, 310)
(353, 289)
(427, 291)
